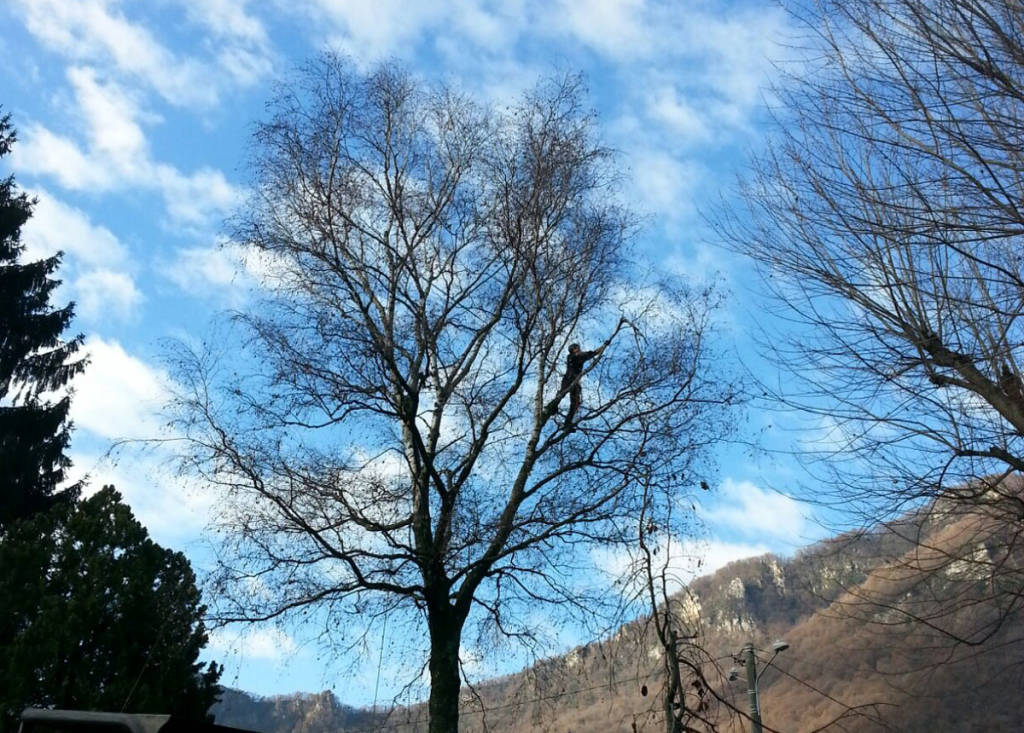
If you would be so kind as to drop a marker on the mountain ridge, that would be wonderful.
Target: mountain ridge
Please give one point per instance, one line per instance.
(845, 669)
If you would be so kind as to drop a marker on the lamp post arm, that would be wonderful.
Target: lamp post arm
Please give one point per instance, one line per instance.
(765, 667)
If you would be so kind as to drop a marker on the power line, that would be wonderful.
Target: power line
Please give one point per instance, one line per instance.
(568, 693)
(543, 698)
(380, 662)
(855, 710)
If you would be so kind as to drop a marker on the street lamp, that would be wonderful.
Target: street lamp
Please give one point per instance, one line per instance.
(750, 662)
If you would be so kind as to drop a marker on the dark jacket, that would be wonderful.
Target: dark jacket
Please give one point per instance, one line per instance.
(574, 365)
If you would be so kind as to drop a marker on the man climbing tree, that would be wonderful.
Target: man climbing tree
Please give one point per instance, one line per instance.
(574, 362)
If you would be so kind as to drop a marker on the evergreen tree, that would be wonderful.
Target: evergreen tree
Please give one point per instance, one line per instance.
(94, 615)
(34, 431)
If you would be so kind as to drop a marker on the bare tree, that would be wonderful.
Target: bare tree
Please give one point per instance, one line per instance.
(887, 218)
(386, 436)
(689, 701)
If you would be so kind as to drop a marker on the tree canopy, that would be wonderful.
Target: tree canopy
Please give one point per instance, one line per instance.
(886, 217)
(34, 360)
(94, 615)
(386, 433)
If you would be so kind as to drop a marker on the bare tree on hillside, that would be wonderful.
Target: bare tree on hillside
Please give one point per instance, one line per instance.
(388, 438)
(888, 219)
(688, 699)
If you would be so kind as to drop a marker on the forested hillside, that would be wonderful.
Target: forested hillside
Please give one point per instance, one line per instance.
(850, 665)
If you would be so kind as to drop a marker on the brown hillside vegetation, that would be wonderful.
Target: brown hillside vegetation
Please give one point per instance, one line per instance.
(856, 661)
(892, 650)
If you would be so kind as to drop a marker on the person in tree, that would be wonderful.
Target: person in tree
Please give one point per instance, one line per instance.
(574, 362)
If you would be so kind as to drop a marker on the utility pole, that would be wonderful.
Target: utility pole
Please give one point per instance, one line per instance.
(674, 694)
(750, 662)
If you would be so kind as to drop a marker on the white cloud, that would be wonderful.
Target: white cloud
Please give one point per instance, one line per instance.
(173, 510)
(494, 27)
(245, 65)
(96, 31)
(737, 48)
(614, 27)
(110, 115)
(474, 36)
(718, 554)
(253, 643)
(119, 395)
(498, 78)
(748, 510)
(240, 41)
(104, 294)
(224, 273)
(118, 156)
(43, 152)
(678, 115)
(371, 30)
(58, 227)
(228, 19)
(662, 183)
(219, 271)
(196, 198)
(680, 560)
(96, 265)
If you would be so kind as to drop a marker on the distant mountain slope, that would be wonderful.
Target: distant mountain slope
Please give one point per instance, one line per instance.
(849, 667)
(907, 676)
(296, 713)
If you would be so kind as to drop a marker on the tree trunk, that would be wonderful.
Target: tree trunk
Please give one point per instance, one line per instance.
(445, 637)
(674, 683)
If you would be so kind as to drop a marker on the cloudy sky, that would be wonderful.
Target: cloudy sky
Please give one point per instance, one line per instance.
(134, 120)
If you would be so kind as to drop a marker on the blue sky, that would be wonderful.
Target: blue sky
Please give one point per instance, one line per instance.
(133, 121)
